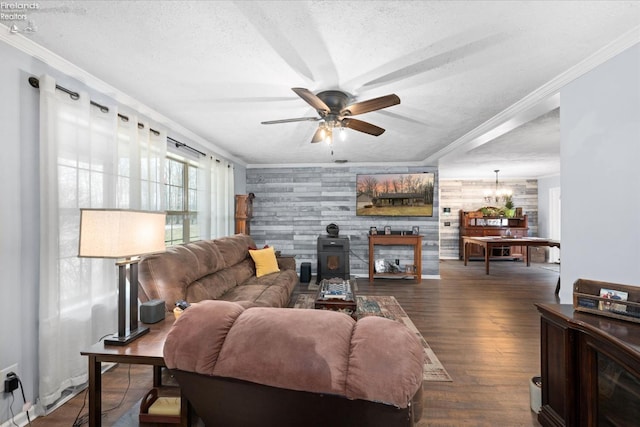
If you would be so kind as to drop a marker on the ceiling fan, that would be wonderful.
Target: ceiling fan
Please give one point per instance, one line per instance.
(335, 112)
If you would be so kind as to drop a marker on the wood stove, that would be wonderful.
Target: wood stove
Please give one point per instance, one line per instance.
(333, 258)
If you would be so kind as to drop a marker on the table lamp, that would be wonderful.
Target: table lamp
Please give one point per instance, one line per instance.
(123, 235)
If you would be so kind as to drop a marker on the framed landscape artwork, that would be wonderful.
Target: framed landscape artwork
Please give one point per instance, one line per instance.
(409, 194)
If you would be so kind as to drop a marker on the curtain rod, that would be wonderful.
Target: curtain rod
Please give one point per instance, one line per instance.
(33, 81)
(182, 144)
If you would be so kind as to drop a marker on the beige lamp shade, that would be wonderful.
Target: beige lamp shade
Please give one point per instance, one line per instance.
(119, 233)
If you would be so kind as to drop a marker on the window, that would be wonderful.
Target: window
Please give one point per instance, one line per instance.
(181, 184)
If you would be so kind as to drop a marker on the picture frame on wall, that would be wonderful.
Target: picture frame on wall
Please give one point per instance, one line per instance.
(387, 229)
(415, 230)
(399, 194)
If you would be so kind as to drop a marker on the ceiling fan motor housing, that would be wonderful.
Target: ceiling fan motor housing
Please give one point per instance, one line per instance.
(335, 100)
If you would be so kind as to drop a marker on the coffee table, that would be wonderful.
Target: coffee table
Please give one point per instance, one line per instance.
(337, 294)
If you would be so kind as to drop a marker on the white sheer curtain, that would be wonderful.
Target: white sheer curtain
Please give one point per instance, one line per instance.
(204, 203)
(141, 164)
(222, 198)
(88, 159)
(215, 198)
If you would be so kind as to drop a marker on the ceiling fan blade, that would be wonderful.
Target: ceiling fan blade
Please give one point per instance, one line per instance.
(361, 126)
(311, 99)
(318, 136)
(370, 105)
(299, 119)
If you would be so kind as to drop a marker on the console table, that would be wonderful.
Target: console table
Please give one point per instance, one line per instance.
(590, 368)
(146, 350)
(414, 240)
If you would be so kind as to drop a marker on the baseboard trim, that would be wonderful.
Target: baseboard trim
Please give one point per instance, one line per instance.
(20, 419)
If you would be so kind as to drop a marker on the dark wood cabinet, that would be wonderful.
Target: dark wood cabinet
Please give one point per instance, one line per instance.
(244, 213)
(590, 367)
(557, 364)
(475, 225)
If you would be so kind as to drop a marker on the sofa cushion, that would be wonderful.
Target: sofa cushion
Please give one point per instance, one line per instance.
(318, 351)
(208, 340)
(234, 249)
(212, 286)
(265, 261)
(167, 275)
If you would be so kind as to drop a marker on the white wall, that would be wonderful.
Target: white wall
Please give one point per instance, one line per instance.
(544, 185)
(600, 158)
(240, 179)
(19, 228)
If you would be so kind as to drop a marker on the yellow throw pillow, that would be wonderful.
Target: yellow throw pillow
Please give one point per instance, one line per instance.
(265, 260)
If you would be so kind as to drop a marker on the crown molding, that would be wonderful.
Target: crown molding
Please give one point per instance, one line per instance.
(66, 67)
(545, 97)
(381, 165)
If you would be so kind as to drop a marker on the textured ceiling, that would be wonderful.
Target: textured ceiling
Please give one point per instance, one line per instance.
(220, 68)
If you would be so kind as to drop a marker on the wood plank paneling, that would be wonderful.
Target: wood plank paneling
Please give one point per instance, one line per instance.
(293, 206)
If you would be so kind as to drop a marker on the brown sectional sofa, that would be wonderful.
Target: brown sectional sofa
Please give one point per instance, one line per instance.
(219, 269)
(293, 367)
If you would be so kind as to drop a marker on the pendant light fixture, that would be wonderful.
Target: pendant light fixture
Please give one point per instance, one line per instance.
(497, 193)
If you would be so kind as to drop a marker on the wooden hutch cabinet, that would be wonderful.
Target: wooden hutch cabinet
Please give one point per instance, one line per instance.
(244, 213)
(590, 367)
(475, 225)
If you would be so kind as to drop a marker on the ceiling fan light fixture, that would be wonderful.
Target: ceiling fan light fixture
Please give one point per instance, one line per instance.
(343, 134)
(329, 137)
(323, 132)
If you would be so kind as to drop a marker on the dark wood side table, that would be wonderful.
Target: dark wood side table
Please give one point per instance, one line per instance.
(147, 350)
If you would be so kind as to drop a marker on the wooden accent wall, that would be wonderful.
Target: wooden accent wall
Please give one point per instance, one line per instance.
(293, 206)
(469, 195)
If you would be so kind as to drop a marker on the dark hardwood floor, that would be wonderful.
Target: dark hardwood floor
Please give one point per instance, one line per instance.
(484, 329)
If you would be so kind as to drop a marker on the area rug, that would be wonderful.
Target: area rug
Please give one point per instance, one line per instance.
(388, 306)
(313, 285)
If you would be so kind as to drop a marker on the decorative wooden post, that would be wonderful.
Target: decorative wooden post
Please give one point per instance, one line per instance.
(244, 212)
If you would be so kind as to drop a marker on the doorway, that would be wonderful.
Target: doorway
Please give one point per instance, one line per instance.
(554, 222)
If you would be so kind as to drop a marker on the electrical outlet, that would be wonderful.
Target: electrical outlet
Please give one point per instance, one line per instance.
(4, 372)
